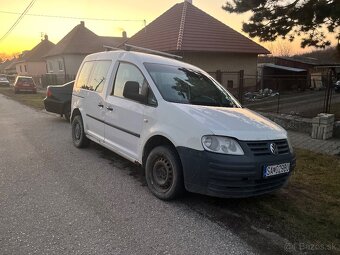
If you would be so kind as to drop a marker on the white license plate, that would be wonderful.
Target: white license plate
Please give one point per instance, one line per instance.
(276, 169)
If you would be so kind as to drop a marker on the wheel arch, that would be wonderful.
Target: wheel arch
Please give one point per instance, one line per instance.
(75, 112)
(155, 141)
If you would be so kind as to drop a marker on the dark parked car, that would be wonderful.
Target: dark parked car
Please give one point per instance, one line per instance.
(337, 86)
(25, 84)
(58, 99)
(4, 81)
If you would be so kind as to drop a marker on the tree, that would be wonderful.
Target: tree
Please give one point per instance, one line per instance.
(280, 48)
(288, 19)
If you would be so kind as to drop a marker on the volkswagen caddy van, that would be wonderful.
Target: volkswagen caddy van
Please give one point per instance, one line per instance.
(184, 128)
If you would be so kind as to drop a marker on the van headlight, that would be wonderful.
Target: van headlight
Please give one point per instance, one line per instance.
(220, 144)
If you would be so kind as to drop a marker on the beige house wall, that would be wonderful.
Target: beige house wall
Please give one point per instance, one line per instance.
(21, 68)
(73, 63)
(36, 68)
(229, 64)
(64, 65)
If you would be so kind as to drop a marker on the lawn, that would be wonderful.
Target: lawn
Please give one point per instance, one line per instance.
(32, 100)
(307, 210)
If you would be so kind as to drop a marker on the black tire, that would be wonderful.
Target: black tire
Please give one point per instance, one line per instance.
(78, 134)
(163, 173)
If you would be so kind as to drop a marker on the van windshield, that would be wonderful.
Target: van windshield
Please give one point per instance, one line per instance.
(187, 86)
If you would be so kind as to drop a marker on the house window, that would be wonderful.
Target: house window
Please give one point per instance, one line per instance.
(60, 64)
(25, 68)
(20, 69)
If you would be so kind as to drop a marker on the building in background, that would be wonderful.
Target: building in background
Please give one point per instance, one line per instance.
(205, 42)
(31, 63)
(64, 59)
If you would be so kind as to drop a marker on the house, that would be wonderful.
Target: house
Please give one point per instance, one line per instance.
(10, 67)
(282, 78)
(318, 64)
(203, 41)
(64, 59)
(3, 65)
(32, 63)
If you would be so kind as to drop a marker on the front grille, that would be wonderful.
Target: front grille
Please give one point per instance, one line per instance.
(260, 148)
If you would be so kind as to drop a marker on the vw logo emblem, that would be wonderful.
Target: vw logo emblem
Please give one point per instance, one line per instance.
(273, 148)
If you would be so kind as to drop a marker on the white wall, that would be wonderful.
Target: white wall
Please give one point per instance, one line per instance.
(226, 62)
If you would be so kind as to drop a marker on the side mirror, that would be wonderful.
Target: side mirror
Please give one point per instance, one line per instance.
(131, 91)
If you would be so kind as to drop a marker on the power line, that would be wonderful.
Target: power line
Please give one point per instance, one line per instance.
(80, 18)
(18, 20)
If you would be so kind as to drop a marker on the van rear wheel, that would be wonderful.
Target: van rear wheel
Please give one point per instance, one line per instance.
(78, 134)
(163, 173)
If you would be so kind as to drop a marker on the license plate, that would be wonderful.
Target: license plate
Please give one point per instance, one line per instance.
(276, 169)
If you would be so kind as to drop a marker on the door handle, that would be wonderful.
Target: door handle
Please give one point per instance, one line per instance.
(100, 105)
(109, 108)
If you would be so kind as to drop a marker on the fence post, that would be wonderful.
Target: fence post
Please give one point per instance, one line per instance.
(328, 93)
(241, 86)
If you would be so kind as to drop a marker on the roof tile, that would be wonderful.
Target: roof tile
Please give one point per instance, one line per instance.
(184, 27)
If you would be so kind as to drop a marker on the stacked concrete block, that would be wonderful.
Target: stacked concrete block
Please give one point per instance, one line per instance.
(322, 126)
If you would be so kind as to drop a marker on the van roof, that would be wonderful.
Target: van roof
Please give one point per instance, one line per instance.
(139, 57)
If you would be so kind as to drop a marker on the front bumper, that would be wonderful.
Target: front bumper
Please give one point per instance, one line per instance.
(230, 176)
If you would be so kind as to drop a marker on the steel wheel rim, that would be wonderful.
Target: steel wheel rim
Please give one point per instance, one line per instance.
(77, 131)
(162, 174)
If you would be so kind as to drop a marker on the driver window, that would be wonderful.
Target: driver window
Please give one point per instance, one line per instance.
(127, 72)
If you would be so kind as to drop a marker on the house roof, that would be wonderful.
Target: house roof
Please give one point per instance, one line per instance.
(324, 57)
(81, 40)
(4, 64)
(11, 64)
(292, 69)
(37, 53)
(184, 27)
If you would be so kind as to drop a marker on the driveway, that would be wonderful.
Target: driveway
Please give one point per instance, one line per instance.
(56, 199)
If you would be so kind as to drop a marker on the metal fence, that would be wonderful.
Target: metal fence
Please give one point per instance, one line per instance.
(301, 95)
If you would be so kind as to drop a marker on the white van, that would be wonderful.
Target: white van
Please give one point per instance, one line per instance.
(182, 126)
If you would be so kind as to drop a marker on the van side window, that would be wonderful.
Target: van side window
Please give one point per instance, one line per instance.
(98, 75)
(127, 72)
(84, 75)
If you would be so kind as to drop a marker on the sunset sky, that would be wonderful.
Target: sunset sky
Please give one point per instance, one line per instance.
(28, 32)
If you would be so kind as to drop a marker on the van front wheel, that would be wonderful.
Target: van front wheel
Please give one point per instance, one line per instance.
(163, 173)
(78, 135)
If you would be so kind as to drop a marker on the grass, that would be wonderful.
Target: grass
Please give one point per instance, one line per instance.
(308, 209)
(32, 100)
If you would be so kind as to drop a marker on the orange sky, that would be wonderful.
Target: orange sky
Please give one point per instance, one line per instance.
(27, 34)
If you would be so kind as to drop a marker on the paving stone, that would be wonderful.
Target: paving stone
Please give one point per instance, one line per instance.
(304, 141)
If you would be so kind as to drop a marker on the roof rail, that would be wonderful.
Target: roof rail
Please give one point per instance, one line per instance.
(128, 47)
(106, 47)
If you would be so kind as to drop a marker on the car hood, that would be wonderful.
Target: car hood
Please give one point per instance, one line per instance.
(239, 123)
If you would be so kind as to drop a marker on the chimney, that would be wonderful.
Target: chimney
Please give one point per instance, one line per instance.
(124, 34)
(46, 37)
(189, 1)
(82, 23)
